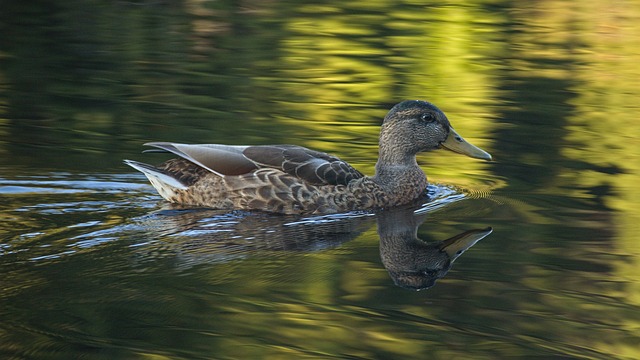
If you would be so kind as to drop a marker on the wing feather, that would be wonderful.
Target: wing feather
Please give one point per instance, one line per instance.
(219, 159)
(314, 167)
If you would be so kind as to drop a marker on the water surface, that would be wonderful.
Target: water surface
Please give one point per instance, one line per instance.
(96, 265)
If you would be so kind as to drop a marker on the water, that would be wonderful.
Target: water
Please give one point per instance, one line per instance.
(95, 265)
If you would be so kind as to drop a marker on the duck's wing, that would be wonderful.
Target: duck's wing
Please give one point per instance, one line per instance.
(311, 166)
(219, 159)
(314, 167)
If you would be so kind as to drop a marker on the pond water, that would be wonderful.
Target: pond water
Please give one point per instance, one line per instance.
(94, 264)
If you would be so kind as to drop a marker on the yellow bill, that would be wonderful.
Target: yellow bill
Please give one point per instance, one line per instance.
(456, 143)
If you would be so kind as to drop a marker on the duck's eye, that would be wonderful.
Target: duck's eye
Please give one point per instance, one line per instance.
(427, 117)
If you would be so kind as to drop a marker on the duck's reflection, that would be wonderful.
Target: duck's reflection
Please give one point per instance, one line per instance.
(202, 231)
(411, 262)
(197, 237)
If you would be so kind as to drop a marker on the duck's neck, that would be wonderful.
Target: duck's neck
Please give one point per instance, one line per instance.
(399, 174)
(395, 173)
(395, 151)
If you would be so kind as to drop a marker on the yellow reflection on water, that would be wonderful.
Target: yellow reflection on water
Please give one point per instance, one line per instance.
(437, 54)
(600, 43)
(605, 132)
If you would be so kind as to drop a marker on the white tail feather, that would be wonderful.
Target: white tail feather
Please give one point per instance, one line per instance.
(162, 182)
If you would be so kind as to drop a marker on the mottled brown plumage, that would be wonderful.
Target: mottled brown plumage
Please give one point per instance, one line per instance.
(293, 179)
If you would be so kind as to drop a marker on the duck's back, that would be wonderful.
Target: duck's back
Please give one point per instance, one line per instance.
(276, 178)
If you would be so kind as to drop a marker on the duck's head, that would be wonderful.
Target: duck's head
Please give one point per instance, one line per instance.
(415, 126)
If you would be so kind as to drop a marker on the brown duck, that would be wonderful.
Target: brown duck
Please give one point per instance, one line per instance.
(294, 180)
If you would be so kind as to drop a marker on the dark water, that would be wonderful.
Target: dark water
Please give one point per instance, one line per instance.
(94, 265)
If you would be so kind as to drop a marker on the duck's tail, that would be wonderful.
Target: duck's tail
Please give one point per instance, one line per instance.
(166, 184)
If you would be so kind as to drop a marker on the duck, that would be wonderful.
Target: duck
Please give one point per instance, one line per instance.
(291, 179)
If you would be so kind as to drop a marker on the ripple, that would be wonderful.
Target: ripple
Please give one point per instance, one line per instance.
(439, 197)
(66, 186)
(35, 190)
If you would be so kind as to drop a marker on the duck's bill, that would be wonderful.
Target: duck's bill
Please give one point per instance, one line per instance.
(456, 143)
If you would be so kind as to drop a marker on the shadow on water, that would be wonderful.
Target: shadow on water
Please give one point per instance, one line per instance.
(188, 237)
(212, 236)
